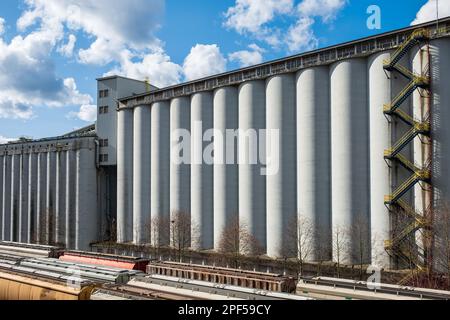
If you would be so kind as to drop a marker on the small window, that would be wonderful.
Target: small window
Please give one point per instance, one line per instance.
(103, 93)
(100, 110)
(105, 142)
(105, 109)
(103, 158)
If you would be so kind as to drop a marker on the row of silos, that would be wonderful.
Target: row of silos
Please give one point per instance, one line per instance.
(48, 193)
(329, 160)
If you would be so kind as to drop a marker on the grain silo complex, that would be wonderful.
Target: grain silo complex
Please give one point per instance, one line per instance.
(351, 141)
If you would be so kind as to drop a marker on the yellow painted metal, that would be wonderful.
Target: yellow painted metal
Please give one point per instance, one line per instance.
(23, 287)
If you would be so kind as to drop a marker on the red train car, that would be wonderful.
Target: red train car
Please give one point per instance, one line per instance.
(107, 260)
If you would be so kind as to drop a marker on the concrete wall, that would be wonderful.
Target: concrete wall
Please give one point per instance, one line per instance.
(49, 192)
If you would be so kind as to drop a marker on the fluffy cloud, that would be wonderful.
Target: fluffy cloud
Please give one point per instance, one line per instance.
(428, 11)
(4, 140)
(325, 9)
(27, 73)
(251, 15)
(204, 60)
(128, 41)
(156, 66)
(247, 58)
(256, 19)
(67, 49)
(300, 37)
(86, 113)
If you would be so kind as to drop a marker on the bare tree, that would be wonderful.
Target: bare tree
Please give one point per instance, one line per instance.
(300, 241)
(236, 242)
(157, 230)
(442, 242)
(180, 231)
(340, 241)
(359, 232)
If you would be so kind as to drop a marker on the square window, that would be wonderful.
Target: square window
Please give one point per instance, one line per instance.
(105, 109)
(100, 110)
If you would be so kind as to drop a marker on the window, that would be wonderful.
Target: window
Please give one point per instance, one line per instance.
(103, 158)
(102, 110)
(104, 142)
(103, 93)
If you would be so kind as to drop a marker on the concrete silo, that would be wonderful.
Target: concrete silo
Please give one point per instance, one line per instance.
(180, 158)
(314, 161)
(141, 174)
(225, 164)
(160, 173)
(125, 176)
(350, 162)
(252, 184)
(202, 214)
(281, 164)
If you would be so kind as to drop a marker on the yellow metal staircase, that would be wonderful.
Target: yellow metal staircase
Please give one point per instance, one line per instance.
(396, 245)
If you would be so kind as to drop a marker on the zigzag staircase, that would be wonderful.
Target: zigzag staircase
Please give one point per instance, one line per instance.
(397, 246)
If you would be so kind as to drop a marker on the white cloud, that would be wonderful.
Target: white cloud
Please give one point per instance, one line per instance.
(67, 49)
(251, 15)
(86, 113)
(256, 18)
(4, 140)
(156, 67)
(2, 26)
(122, 33)
(28, 77)
(300, 37)
(204, 60)
(247, 58)
(428, 11)
(325, 9)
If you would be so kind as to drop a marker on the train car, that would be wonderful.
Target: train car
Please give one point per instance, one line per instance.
(108, 260)
(29, 250)
(22, 286)
(235, 277)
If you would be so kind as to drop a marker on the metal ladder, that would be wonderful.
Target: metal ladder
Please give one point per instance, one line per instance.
(395, 246)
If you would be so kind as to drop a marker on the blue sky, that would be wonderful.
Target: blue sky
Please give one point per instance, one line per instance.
(51, 51)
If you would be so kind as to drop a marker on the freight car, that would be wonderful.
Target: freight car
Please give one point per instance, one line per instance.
(22, 286)
(228, 276)
(103, 259)
(29, 250)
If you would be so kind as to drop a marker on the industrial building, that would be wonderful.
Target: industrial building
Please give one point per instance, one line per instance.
(363, 156)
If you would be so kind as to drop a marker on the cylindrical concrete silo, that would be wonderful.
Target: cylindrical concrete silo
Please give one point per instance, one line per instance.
(60, 205)
(281, 164)
(380, 140)
(23, 203)
(160, 173)
(32, 196)
(180, 159)
(201, 172)
(440, 73)
(350, 163)
(252, 183)
(50, 197)
(141, 176)
(6, 214)
(314, 162)
(225, 162)
(71, 181)
(15, 197)
(125, 176)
